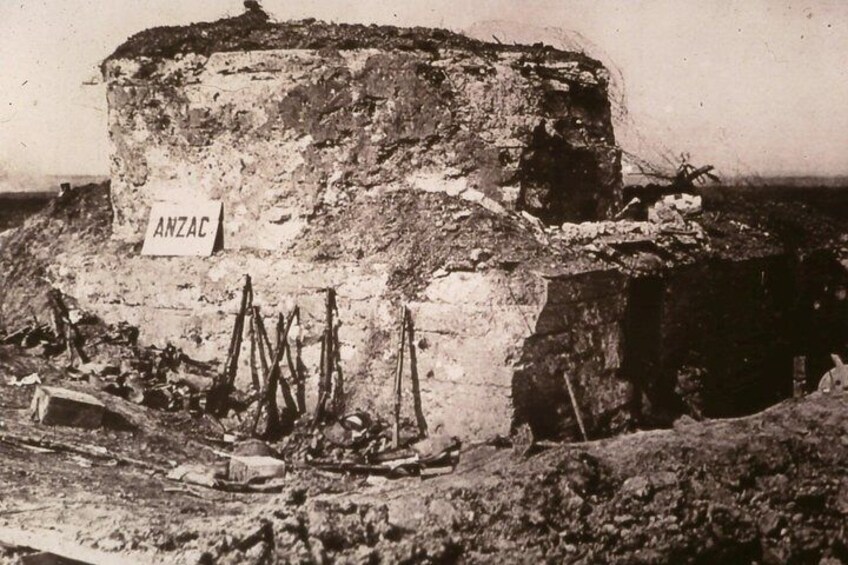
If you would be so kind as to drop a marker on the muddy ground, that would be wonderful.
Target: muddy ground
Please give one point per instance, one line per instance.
(770, 488)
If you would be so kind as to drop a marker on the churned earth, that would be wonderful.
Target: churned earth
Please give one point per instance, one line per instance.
(769, 488)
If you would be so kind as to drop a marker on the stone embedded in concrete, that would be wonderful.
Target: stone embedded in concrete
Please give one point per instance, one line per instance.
(244, 469)
(54, 406)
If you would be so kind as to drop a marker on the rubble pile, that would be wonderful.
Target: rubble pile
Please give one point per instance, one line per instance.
(660, 496)
(109, 358)
(326, 439)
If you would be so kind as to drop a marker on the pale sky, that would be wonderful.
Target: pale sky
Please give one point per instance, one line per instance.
(751, 86)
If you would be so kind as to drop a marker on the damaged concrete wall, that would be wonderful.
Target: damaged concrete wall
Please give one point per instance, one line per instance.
(303, 130)
(715, 338)
(496, 330)
(579, 333)
(281, 135)
(390, 165)
(470, 326)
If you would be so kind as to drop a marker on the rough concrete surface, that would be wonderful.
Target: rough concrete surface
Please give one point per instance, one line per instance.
(281, 135)
(502, 311)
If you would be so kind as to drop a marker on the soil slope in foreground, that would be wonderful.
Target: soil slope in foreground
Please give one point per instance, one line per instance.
(770, 488)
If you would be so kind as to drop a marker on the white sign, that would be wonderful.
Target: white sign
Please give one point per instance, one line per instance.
(185, 229)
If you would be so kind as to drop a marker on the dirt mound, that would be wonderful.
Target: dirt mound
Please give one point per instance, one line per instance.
(769, 488)
(253, 31)
(81, 219)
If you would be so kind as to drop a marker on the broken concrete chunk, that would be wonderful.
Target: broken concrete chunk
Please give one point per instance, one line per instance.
(252, 448)
(32, 379)
(674, 207)
(636, 487)
(256, 468)
(434, 447)
(194, 474)
(54, 406)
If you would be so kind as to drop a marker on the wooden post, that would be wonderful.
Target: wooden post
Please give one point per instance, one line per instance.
(574, 405)
(322, 394)
(300, 369)
(799, 376)
(283, 349)
(262, 343)
(338, 400)
(268, 393)
(327, 356)
(413, 377)
(218, 397)
(254, 372)
(329, 349)
(399, 378)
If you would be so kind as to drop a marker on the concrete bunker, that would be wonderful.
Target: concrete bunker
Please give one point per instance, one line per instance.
(714, 338)
(280, 120)
(424, 168)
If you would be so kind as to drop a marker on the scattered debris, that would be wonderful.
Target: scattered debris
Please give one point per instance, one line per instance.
(684, 179)
(94, 452)
(29, 336)
(633, 210)
(675, 208)
(32, 379)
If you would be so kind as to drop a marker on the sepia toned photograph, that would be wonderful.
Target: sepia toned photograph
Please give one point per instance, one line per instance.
(377, 282)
